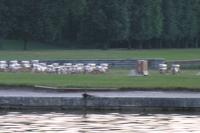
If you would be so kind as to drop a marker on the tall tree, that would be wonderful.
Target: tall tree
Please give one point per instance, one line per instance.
(170, 24)
(195, 29)
(146, 20)
(18, 20)
(74, 11)
(103, 23)
(117, 20)
(156, 21)
(106, 21)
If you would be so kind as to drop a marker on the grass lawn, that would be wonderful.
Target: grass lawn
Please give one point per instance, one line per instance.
(168, 54)
(13, 49)
(114, 79)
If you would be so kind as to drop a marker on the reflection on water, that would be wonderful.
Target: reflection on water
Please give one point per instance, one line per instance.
(52, 122)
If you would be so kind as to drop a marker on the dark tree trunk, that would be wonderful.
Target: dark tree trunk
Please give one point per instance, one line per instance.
(25, 44)
(129, 44)
(177, 43)
(196, 42)
(170, 42)
(106, 45)
(186, 41)
(151, 43)
(141, 44)
(160, 43)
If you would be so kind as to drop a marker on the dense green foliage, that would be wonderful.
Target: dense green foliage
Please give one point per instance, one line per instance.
(113, 79)
(103, 23)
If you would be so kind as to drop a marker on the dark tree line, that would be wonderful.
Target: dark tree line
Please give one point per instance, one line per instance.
(103, 23)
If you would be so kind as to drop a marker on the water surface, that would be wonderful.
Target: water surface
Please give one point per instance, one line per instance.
(63, 122)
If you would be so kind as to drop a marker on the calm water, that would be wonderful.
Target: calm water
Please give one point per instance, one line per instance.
(14, 122)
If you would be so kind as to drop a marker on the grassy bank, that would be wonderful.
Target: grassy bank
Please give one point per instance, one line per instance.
(13, 49)
(168, 54)
(113, 79)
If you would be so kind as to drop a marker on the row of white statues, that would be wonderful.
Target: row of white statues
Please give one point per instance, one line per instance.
(66, 68)
(163, 68)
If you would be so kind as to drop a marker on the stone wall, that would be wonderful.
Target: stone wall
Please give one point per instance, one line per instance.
(73, 103)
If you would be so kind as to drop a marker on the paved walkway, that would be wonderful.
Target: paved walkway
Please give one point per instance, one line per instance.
(104, 94)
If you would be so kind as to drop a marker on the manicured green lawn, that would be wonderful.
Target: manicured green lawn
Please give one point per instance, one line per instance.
(13, 49)
(168, 54)
(113, 79)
